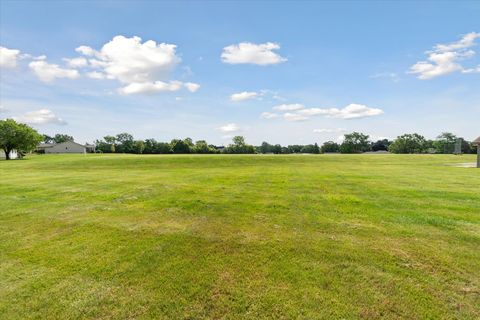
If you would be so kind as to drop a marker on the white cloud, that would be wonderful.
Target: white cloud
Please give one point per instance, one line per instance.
(353, 111)
(96, 75)
(3, 109)
(42, 116)
(329, 130)
(467, 41)
(289, 107)
(8, 57)
(79, 62)
(85, 50)
(246, 52)
(192, 87)
(298, 112)
(294, 117)
(129, 60)
(141, 67)
(48, 72)
(445, 58)
(151, 87)
(242, 96)
(230, 127)
(269, 115)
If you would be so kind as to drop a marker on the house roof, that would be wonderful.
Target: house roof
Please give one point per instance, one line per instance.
(476, 142)
(49, 145)
(46, 145)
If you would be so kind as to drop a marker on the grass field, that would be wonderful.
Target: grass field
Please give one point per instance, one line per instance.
(250, 237)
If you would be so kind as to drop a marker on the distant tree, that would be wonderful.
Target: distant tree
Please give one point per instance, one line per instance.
(468, 147)
(48, 139)
(409, 143)
(265, 147)
(60, 137)
(316, 148)
(179, 146)
(125, 143)
(277, 149)
(381, 145)
(17, 136)
(355, 142)
(330, 147)
(149, 146)
(111, 142)
(138, 147)
(239, 146)
(163, 148)
(189, 142)
(201, 146)
(295, 148)
(445, 143)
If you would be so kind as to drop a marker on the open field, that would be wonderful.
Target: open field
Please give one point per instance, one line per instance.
(251, 237)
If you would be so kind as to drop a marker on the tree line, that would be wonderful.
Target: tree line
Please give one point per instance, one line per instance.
(24, 139)
(354, 142)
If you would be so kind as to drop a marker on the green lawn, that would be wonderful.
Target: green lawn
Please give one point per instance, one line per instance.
(239, 237)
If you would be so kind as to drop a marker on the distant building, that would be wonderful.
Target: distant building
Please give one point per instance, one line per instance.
(65, 147)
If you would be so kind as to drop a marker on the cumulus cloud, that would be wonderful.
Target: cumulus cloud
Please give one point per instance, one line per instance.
(192, 87)
(445, 58)
(298, 112)
(48, 72)
(294, 117)
(9, 57)
(229, 128)
(242, 96)
(76, 62)
(3, 109)
(289, 107)
(142, 67)
(269, 115)
(96, 75)
(251, 53)
(151, 87)
(39, 117)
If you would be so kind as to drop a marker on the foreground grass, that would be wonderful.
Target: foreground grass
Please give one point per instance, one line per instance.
(169, 237)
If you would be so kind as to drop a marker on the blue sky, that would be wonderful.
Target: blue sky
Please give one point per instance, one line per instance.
(303, 72)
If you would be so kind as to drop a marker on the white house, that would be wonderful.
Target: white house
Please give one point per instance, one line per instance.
(64, 147)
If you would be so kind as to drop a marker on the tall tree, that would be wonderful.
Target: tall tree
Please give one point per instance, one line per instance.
(409, 143)
(355, 142)
(61, 137)
(445, 143)
(17, 136)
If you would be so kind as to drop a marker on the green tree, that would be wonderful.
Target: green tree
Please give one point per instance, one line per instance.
(138, 146)
(17, 136)
(265, 147)
(48, 139)
(125, 143)
(330, 147)
(61, 137)
(445, 143)
(239, 146)
(409, 143)
(111, 142)
(180, 146)
(381, 145)
(355, 142)
(201, 146)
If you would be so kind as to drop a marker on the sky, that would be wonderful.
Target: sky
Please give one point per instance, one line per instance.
(283, 72)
